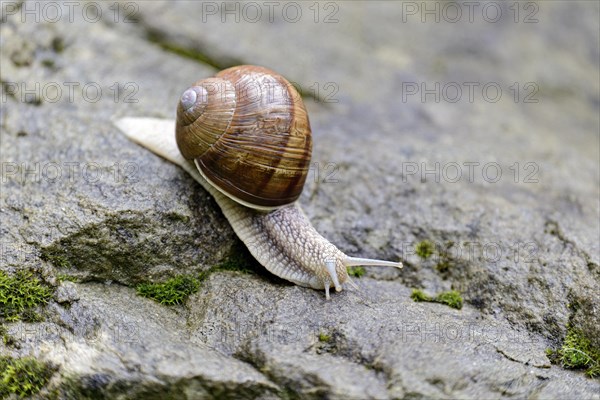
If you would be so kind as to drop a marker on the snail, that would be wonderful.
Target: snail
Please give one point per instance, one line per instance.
(245, 136)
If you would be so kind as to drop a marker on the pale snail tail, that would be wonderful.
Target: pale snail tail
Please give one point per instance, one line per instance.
(352, 261)
(157, 135)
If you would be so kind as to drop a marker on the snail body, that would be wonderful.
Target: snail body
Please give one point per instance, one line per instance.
(245, 137)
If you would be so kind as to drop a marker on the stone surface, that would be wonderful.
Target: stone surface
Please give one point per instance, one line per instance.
(79, 200)
(66, 293)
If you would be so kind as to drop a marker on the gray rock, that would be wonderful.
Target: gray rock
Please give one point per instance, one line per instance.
(78, 199)
(66, 293)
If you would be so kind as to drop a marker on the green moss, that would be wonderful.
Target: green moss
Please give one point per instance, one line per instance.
(174, 291)
(356, 271)
(49, 63)
(23, 376)
(56, 259)
(9, 340)
(6, 338)
(593, 371)
(176, 217)
(450, 298)
(58, 44)
(577, 352)
(443, 266)
(67, 277)
(20, 295)
(419, 295)
(323, 337)
(424, 249)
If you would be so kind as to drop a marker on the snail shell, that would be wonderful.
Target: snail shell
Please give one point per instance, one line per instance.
(245, 137)
(248, 132)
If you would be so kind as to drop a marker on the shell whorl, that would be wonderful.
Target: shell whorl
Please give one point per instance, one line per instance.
(204, 113)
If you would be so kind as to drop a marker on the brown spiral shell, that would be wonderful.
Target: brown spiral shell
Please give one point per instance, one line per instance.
(248, 132)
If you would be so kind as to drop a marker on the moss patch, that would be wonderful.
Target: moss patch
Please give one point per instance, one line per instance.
(424, 249)
(577, 352)
(443, 261)
(327, 342)
(356, 271)
(451, 298)
(419, 295)
(23, 376)
(323, 337)
(67, 277)
(56, 259)
(20, 295)
(7, 339)
(174, 291)
(443, 266)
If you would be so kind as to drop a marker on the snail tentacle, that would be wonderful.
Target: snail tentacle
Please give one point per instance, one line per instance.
(353, 261)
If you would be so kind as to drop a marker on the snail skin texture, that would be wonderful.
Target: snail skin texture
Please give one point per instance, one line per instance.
(245, 137)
